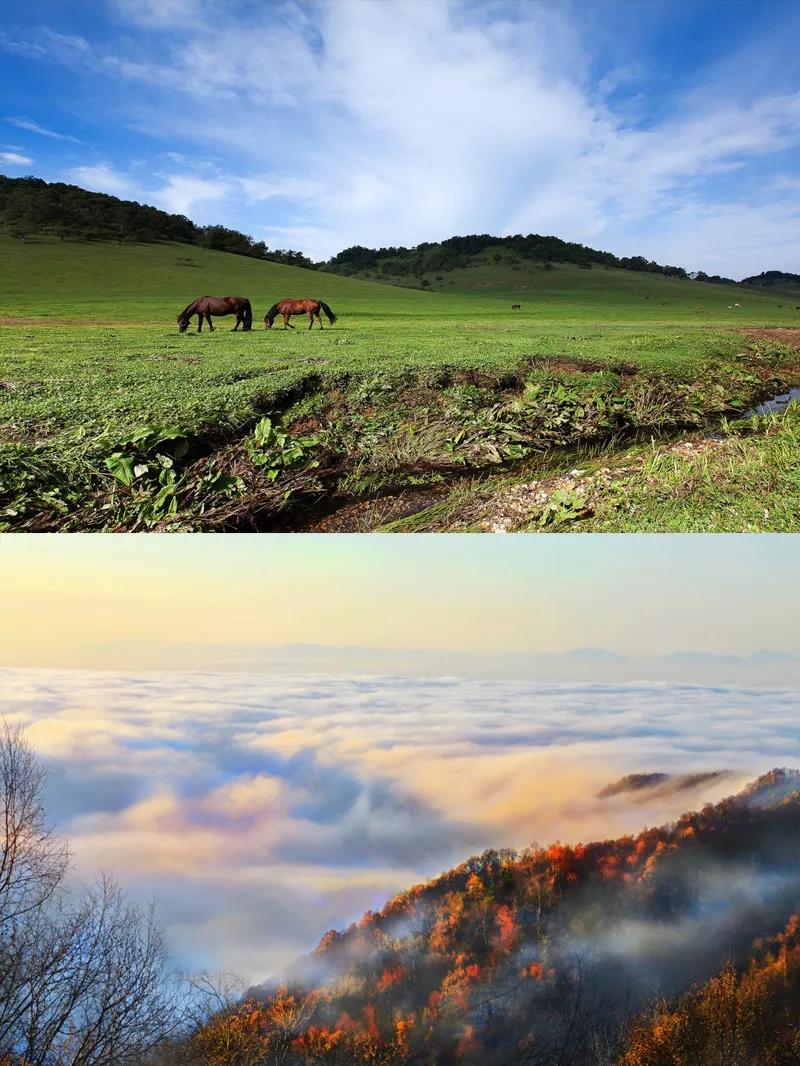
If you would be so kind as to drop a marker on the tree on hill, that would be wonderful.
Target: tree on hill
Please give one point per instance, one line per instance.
(459, 252)
(30, 206)
(773, 279)
(747, 1015)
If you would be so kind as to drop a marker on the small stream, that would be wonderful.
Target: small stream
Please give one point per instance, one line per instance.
(364, 515)
(774, 404)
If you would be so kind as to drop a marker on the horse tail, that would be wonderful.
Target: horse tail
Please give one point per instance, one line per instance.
(327, 310)
(248, 315)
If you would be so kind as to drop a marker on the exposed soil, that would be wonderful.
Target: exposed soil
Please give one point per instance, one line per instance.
(370, 514)
(784, 335)
(509, 511)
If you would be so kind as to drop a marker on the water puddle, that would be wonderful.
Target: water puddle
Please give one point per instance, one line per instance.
(774, 404)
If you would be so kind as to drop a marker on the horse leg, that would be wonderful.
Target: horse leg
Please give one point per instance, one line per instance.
(199, 321)
(310, 319)
(319, 320)
(208, 319)
(239, 321)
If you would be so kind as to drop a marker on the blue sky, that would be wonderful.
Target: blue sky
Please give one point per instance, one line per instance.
(665, 129)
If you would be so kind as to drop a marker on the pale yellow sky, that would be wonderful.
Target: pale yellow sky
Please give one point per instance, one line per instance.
(67, 596)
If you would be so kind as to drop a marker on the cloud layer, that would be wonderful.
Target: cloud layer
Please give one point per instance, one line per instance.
(259, 812)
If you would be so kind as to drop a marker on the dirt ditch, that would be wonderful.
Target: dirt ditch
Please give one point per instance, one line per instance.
(510, 508)
(355, 453)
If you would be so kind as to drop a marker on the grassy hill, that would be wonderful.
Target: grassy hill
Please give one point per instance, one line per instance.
(500, 272)
(408, 389)
(150, 283)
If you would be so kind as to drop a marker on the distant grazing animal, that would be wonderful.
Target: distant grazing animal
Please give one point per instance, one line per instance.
(206, 306)
(287, 308)
(516, 307)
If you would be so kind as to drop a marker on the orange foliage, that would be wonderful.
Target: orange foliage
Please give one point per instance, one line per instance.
(370, 1024)
(458, 981)
(474, 884)
(402, 1028)
(506, 929)
(434, 1002)
(390, 976)
(318, 1041)
(733, 1017)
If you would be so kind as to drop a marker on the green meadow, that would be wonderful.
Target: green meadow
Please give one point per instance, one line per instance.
(111, 419)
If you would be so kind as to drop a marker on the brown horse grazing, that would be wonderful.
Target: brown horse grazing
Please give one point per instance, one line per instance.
(287, 308)
(206, 306)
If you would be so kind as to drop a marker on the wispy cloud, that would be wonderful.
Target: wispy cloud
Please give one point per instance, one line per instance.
(15, 159)
(101, 177)
(42, 131)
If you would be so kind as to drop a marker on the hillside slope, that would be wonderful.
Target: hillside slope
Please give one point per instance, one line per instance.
(543, 956)
(101, 280)
(606, 289)
(152, 282)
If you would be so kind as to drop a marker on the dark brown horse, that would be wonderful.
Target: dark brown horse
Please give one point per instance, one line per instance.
(287, 308)
(206, 306)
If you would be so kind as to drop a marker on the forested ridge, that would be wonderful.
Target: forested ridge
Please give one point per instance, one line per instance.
(31, 206)
(574, 955)
(460, 252)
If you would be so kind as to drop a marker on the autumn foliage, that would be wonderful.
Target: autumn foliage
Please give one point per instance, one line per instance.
(488, 962)
(742, 1016)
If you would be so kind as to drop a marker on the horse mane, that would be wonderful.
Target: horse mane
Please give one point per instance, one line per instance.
(272, 311)
(188, 308)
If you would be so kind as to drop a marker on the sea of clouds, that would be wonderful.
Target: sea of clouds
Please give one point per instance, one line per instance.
(259, 811)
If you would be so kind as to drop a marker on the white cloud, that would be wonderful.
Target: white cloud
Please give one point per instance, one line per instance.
(43, 131)
(14, 159)
(182, 193)
(101, 177)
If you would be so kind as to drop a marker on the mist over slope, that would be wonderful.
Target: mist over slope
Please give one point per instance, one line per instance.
(544, 955)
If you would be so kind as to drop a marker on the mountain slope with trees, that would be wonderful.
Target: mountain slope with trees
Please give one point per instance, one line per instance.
(578, 955)
(30, 206)
(434, 259)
